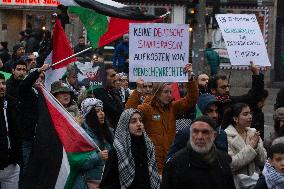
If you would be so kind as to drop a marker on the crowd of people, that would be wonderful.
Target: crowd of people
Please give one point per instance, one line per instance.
(205, 139)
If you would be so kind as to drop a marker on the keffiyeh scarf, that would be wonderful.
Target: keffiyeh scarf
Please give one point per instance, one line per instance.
(122, 145)
(273, 178)
(88, 104)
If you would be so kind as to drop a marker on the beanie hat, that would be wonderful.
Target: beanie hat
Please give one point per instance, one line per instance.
(205, 100)
(88, 104)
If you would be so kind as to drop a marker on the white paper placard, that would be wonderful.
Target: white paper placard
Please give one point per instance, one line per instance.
(158, 52)
(243, 39)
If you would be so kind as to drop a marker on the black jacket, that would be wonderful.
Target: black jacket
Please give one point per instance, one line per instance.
(28, 97)
(13, 154)
(187, 170)
(113, 106)
(261, 183)
(141, 180)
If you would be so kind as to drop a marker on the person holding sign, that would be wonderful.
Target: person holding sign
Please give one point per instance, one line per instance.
(160, 113)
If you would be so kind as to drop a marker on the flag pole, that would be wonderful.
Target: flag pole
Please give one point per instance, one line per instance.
(56, 63)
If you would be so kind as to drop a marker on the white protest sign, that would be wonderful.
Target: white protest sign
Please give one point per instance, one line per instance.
(243, 39)
(158, 52)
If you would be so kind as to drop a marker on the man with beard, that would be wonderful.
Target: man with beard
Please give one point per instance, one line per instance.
(202, 83)
(199, 164)
(82, 46)
(113, 106)
(210, 107)
(18, 52)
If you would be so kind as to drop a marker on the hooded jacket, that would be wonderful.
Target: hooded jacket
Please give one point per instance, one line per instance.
(160, 122)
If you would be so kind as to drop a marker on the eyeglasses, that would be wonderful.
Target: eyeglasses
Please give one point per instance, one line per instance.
(225, 86)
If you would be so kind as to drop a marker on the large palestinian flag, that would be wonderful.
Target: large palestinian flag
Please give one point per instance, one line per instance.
(61, 147)
(110, 8)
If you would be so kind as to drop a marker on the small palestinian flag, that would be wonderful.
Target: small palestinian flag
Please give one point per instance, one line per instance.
(61, 147)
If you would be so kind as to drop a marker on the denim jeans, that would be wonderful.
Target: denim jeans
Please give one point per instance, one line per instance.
(27, 146)
(9, 177)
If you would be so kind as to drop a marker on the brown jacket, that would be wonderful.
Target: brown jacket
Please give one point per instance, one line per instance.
(160, 123)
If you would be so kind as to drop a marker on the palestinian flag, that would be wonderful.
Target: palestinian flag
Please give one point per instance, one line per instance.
(110, 8)
(61, 147)
(61, 49)
(102, 30)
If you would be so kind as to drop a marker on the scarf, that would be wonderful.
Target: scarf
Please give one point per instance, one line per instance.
(209, 157)
(273, 178)
(223, 99)
(88, 104)
(122, 145)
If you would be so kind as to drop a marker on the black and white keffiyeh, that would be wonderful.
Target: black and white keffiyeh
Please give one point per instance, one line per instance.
(88, 104)
(273, 178)
(122, 145)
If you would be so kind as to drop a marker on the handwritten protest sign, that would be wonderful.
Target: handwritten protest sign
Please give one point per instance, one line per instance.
(158, 52)
(243, 39)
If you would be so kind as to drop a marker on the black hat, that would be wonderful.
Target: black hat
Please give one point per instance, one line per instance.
(17, 46)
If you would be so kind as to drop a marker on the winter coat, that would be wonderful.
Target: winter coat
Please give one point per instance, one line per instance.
(113, 106)
(213, 59)
(92, 168)
(187, 170)
(245, 159)
(111, 174)
(28, 97)
(4, 55)
(13, 154)
(121, 53)
(182, 137)
(160, 123)
(133, 100)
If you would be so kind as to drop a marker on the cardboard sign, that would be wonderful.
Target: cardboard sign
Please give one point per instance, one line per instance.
(158, 52)
(243, 39)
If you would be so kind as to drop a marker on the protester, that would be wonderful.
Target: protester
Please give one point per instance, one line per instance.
(33, 41)
(213, 59)
(113, 105)
(45, 47)
(4, 52)
(272, 176)
(82, 46)
(64, 95)
(18, 52)
(138, 96)
(202, 83)
(29, 111)
(131, 162)
(123, 89)
(22, 37)
(121, 55)
(245, 145)
(90, 173)
(278, 117)
(30, 60)
(199, 164)
(9, 142)
(71, 79)
(161, 112)
(209, 106)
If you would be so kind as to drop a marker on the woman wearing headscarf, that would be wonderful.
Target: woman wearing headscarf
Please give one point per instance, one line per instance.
(131, 163)
(94, 124)
(161, 112)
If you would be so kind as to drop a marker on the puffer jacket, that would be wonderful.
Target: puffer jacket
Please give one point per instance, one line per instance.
(160, 123)
(245, 159)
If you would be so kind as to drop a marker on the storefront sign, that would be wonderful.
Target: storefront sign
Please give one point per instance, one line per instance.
(243, 39)
(158, 52)
(30, 2)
